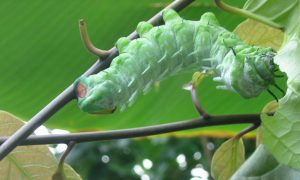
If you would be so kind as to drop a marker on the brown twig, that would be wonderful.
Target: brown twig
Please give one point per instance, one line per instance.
(196, 103)
(247, 130)
(140, 132)
(59, 174)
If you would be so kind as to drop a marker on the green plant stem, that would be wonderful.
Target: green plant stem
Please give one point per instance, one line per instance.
(247, 130)
(247, 14)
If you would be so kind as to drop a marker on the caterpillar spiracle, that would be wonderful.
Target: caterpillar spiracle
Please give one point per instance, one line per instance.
(175, 47)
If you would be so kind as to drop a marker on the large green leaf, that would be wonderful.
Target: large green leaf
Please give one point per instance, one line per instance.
(28, 162)
(281, 131)
(263, 166)
(227, 159)
(41, 54)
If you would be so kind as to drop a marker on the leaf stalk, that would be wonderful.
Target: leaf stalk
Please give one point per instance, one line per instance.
(247, 14)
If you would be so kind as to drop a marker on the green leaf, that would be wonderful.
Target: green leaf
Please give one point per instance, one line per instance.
(227, 159)
(59, 174)
(28, 162)
(41, 54)
(261, 165)
(284, 13)
(281, 131)
(259, 136)
(271, 107)
(256, 33)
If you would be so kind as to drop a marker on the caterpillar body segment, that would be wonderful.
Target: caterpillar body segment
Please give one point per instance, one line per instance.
(178, 46)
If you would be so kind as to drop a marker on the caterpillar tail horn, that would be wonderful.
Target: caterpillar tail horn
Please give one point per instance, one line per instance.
(87, 42)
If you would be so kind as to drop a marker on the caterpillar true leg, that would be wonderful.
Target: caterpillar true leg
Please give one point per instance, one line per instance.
(233, 51)
(279, 88)
(278, 76)
(110, 111)
(272, 94)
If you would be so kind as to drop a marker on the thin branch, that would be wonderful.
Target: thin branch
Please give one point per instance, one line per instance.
(59, 174)
(208, 152)
(140, 132)
(196, 103)
(247, 130)
(71, 144)
(68, 94)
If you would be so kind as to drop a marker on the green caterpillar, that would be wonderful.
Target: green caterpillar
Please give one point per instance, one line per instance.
(178, 46)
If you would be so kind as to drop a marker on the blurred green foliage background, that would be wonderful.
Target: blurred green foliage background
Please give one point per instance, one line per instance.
(41, 54)
(156, 159)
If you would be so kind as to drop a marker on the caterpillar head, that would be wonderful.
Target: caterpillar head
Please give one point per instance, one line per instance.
(93, 98)
(248, 71)
(264, 64)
